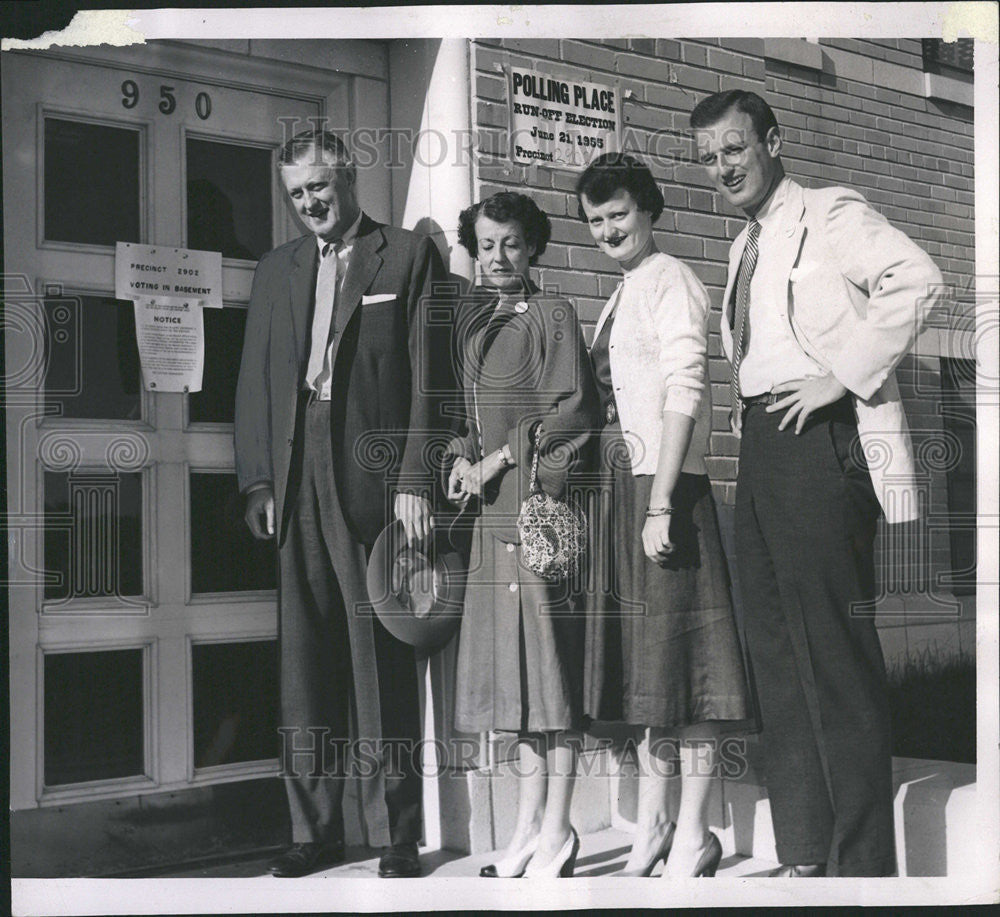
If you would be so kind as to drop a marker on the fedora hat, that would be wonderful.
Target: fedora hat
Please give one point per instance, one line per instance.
(417, 591)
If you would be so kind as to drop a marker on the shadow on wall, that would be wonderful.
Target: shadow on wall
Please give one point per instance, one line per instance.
(430, 227)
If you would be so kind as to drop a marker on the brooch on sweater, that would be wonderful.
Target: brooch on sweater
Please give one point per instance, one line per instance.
(521, 307)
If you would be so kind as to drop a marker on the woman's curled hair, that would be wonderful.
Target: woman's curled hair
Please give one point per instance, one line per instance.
(612, 172)
(504, 207)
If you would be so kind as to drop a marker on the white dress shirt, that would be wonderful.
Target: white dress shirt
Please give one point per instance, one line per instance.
(771, 355)
(321, 338)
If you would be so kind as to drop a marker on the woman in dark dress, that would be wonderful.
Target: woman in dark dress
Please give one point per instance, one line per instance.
(662, 646)
(524, 365)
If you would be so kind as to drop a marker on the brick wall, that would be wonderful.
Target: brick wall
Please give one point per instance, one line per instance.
(856, 117)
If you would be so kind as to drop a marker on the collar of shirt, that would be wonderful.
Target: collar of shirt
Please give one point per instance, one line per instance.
(770, 212)
(347, 238)
(514, 296)
(651, 259)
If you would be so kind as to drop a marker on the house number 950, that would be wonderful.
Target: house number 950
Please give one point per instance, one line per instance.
(168, 101)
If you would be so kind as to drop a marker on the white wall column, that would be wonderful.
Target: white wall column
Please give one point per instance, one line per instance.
(429, 93)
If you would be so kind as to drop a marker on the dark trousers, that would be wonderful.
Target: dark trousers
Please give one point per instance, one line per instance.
(342, 673)
(805, 525)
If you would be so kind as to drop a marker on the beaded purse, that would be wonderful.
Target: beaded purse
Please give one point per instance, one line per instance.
(553, 533)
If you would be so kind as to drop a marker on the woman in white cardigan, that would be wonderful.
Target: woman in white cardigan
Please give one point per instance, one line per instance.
(662, 653)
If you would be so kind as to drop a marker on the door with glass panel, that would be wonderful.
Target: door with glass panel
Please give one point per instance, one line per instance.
(143, 618)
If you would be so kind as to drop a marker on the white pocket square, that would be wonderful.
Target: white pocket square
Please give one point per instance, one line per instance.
(377, 297)
(803, 270)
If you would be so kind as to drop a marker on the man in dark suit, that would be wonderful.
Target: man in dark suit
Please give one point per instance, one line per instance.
(824, 299)
(335, 410)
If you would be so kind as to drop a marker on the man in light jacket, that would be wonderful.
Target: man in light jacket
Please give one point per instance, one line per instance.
(823, 300)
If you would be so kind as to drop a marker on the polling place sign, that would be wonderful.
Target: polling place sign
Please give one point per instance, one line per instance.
(561, 123)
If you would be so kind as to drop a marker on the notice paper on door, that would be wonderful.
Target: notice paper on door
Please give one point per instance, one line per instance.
(158, 270)
(171, 337)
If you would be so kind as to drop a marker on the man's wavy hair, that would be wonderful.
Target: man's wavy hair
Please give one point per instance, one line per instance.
(714, 107)
(325, 146)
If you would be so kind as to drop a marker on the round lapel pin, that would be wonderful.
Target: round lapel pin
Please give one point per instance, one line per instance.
(521, 307)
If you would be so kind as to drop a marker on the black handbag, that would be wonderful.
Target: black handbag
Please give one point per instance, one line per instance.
(553, 534)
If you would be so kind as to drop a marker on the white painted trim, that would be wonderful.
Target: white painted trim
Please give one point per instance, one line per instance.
(194, 64)
(142, 126)
(802, 52)
(938, 86)
(237, 770)
(98, 789)
(147, 404)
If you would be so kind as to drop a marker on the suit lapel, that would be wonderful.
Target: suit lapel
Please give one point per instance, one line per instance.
(364, 264)
(477, 308)
(302, 291)
(785, 243)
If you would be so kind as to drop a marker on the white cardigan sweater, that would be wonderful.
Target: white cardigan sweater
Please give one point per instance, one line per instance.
(659, 358)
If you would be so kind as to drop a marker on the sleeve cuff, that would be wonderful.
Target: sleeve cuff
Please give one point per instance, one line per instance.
(852, 371)
(682, 400)
(460, 447)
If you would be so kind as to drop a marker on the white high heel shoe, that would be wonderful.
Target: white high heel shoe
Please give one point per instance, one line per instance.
(511, 867)
(561, 866)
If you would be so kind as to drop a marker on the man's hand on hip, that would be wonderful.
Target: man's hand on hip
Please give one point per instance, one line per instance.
(415, 514)
(805, 396)
(259, 513)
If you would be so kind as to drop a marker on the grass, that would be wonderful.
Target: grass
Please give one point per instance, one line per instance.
(932, 702)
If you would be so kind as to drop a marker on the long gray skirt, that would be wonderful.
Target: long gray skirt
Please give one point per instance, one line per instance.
(520, 653)
(661, 647)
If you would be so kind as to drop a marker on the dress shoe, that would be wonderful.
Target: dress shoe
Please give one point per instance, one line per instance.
(709, 861)
(802, 871)
(400, 861)
(661, 854)
(513, 866)
(561, 866)
(303, 859)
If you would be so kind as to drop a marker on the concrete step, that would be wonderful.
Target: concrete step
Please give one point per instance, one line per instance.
(602, 853)
(935, 813)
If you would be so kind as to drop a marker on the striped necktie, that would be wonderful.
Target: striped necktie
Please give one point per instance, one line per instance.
(738, 321)
(318, 370)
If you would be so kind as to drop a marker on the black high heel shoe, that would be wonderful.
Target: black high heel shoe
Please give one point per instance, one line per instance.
(709, 861)
(661, 854)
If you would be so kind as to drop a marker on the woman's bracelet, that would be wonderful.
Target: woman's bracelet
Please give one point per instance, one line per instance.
(502, 453)
(652, 511)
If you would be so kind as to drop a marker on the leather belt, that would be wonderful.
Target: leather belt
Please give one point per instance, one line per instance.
(766, 398)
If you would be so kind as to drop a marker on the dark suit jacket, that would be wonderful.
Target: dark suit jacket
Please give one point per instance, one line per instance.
(389, 374)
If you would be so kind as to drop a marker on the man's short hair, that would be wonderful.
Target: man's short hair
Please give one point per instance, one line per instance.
(325, 146)
(712, 109)
(613, 172)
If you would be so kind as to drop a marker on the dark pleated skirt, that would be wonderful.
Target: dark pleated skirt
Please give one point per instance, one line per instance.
(662, 647)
